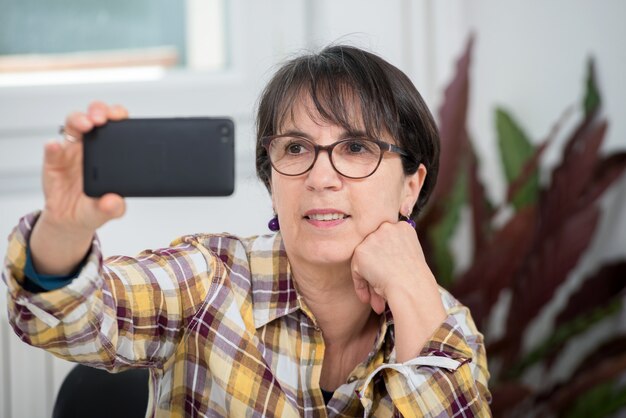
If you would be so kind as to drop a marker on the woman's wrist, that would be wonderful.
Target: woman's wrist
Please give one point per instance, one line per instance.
(58, 249)
(417, 313)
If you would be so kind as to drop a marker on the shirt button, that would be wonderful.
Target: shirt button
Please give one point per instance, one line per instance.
(351, 379)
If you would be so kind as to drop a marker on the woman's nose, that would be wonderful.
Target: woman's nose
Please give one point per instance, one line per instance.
(323, 175)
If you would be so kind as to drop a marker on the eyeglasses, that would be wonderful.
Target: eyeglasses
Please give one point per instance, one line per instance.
(354, 158)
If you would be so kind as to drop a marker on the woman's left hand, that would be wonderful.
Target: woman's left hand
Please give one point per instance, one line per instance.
(388, 266)
(390, 262)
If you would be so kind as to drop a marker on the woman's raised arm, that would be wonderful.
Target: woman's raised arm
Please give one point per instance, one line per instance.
(63, 233)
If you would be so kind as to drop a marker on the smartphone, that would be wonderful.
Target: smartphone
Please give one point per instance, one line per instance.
(160, 157)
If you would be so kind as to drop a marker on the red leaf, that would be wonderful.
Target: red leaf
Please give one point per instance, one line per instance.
(571, 177)
(482, 211)
(507, 396)
(613, 348)
(545, 270)
(595, 291)
(605, 173)
(603, 365)
(577, 135)
(607, 370)
(452, 116)
(497, 263)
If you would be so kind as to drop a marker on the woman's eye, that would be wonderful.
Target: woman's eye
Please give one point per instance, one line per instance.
(295, 148)
(292, 146)
(358, 147)
(355, 147)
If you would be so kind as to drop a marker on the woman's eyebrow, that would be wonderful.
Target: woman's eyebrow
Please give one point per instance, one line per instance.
(296, 132)
(353, 134)
(345, 134)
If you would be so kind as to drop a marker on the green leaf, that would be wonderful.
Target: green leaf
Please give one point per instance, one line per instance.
(592, 98)
(601, 401)
(515, 151)
(441, 234)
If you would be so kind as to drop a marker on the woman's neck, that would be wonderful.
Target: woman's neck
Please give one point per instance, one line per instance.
(328, 291)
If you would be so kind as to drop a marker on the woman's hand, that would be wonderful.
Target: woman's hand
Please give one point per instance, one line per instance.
(390, 260)
(63, 233)
(66, 203)
(389, 267)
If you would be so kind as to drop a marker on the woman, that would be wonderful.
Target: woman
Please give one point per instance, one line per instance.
(336, 313)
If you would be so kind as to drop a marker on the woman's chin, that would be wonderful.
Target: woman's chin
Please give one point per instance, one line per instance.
(328, 255)
(322, 249)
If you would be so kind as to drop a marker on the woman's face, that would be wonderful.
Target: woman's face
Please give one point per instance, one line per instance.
(358, 206)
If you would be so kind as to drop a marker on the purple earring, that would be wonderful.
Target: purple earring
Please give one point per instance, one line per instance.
(407, 220)
(273, 224)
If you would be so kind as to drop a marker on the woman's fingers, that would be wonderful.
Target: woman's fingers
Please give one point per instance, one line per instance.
(367, 295)
(376, 301)
(98, 112)
(60, 155)
(361, 287)
(76, 124)
(52, 153)
(117, 112)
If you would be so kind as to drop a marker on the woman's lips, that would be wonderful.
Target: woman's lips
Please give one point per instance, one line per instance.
(325, 217)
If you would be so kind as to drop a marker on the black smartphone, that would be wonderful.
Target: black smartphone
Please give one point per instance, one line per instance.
(160, 157)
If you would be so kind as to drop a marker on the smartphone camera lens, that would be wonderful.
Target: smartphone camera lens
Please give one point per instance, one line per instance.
(225, 131)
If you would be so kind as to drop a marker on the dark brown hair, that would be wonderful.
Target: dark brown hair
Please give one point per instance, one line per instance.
(335, 79)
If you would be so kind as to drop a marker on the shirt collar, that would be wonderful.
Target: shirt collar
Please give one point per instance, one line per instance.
(273, 292)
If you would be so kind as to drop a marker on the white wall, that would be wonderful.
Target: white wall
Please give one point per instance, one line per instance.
(529, 56)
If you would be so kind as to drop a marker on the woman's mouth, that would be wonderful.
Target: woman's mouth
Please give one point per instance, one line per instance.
(326, 216)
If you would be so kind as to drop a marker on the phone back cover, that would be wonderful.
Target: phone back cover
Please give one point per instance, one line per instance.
(161, 157)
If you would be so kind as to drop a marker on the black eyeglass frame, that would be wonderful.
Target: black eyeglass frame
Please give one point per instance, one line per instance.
(384, 147)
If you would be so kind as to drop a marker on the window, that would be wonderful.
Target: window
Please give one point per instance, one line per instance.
(81, 40)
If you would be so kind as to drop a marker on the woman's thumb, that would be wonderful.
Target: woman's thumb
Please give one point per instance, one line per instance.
(113, 205)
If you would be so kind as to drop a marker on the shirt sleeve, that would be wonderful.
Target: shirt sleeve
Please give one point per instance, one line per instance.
(120, 313)
(448, 378)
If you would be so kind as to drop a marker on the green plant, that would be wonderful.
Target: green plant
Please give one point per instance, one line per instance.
(531, 254)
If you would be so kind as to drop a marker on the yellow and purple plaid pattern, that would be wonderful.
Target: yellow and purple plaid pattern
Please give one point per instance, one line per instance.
(219, 323)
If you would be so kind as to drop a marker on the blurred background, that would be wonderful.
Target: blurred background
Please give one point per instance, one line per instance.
(529, 59)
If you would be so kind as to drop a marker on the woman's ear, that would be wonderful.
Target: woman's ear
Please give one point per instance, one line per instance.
(413, 184)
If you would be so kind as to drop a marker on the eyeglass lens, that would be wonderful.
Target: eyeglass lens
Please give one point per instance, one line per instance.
(354, 157)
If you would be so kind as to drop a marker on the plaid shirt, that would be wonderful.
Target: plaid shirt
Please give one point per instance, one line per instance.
(218, 321)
